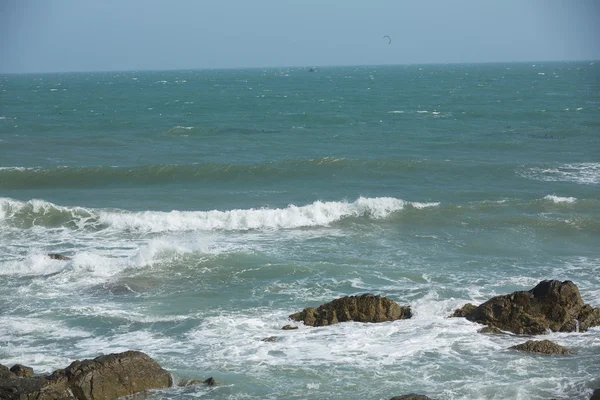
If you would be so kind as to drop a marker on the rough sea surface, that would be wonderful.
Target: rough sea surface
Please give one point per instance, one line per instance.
(201, 208)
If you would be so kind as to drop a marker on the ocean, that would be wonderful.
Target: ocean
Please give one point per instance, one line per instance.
(200, 208)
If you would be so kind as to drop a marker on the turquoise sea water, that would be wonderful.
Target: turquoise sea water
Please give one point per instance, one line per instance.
(201, 208)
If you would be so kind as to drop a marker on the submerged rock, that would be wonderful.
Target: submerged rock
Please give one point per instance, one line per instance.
(289, 328)
(364, 308)
(54, 256)
(193, 382)
(551, 305)
(106, 377)
(542, 347)
(411, 397)
(490, 330)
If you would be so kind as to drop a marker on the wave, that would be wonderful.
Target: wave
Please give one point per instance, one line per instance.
(19, 214)
(558, 199)
(73, 177)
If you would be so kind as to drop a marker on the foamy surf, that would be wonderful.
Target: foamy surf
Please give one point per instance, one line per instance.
(318, 213)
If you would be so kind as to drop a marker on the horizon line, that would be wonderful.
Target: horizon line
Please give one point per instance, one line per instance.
(308, 66)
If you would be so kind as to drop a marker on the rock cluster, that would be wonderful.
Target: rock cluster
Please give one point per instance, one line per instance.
(542, 347)
(103, 378)
(363, 308)
(550, 306)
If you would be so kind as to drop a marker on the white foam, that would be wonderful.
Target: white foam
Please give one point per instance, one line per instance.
(316, 214)
(396, 112)
(582, 173)
(558, 199)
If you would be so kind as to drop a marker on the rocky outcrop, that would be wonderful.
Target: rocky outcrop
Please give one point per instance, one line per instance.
(550, 306)
(542, 347)
(364, 308)
(103, 378)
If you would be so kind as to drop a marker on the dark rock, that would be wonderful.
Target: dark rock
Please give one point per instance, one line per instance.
(364, 308)
(54, 256)
(33, 388)
(5, 372)
(411, 397)
(491, 330)
(210, 381)
(289, 327)
(551, 305)
(21, 370)
(193, 382)
(270, 339)
(116, 375)
(462, 312)
(103, 378)
(542, 347)
(595, 395)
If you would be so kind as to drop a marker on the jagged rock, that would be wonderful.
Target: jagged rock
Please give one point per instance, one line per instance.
(463, 311)
(364, 308)
(491, 330)
(542, 347)
(411, 396)
(116, 375)
(289, 327)
(22, 370)
(55, 256)
(595, 395)
(270, 339)
(103, 378)
(551, 305)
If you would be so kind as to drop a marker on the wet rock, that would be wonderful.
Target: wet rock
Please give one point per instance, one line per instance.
(116, 375)
(463, 311)
(34, 388)
(5, 372)
(193, 382)
(55, 256)
(411, 396)
(210, 381)
(364, 308)
(490, 330)
(551, 305)
(21, 370)
(270, 339)
(289, 327)
(595, 395)
(542, 347)
(103, 378)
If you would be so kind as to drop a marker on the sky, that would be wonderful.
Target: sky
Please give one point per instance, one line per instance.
(109, 35)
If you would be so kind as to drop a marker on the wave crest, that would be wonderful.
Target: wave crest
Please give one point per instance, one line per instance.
(319, 213)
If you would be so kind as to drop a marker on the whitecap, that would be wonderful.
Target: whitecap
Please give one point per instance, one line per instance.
(558, 199)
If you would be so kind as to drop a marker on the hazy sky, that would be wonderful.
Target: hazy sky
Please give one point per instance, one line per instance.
(85, 35)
